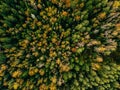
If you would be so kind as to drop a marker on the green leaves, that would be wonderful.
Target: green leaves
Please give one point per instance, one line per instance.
(77, 68)
(79, 26)
(2, 32)
(2, 58)
(10, 18)
(76, 83)
(65, 77)
(81, 62)
(5, 40)
(80, 50)
(70, 75)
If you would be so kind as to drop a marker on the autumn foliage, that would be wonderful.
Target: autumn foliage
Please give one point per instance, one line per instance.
(59, 44)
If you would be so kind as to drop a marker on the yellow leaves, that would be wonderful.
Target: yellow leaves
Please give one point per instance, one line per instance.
(95, 25)
(39, 1)
(64, 68)
(54, 40)
(53, 20)
(43, 87)
(117, 26)
(36, 70)
(64, 13)
(20, 81)
(5, 83)
(42, 13)
(115, 33)
(95, 66)
(40, 81)
(49, 29)
(54, 79)
(19, 65)
(60, 82)
(102, 15)
(28, 83)
(82, 5)
(77, 18)
(100, 49)
(50, 11)
(27, 12)
(52, 86)
(62, 35)
(74, 50)
(116, 4)
(49, 14)
(94, 42)
(28, 19)
(39, 23)
(54, 1)
(99, 59)
(39, 6)
(41, 58)
(24, 25)
(20, 53)
(31, 86)
(17, 73)
(28, 56)
(46, 27)
(44, 35)
(1, 73)
(45, 80)
(58, 61)
(32, 25)
(67, 3)
(15, 86)
(96, 21)
(39, 44)
(32, 2)
(7, 50)
(24, 43)
(33, 71)
(62, 46)
(41, 72)
(3, 67)
(4, 25)
(35, 54)
(52, 54)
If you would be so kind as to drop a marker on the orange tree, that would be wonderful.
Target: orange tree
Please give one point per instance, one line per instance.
(59, 44)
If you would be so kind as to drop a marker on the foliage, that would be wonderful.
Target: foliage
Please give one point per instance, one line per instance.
(59, 44)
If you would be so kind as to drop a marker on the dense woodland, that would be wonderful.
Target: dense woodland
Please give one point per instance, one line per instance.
(59, 44)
